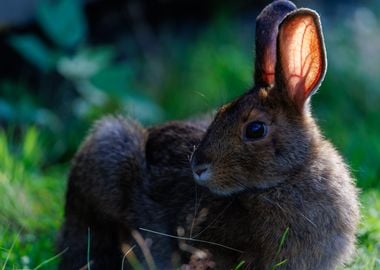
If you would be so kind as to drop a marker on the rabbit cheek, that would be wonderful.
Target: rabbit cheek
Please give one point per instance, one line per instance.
(223, 191)
(221, 178)
(228, 178)
(224, 186)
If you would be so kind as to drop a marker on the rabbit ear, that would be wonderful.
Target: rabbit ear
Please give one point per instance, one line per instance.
(266, 34)
(301, 64)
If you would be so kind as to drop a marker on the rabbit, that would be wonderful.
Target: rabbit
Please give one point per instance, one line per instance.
(258, 185)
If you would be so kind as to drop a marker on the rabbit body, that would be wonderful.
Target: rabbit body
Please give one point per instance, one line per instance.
(120, 181)
(269, 189)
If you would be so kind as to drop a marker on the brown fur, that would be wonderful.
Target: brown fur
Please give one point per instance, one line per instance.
(291, 179)
(290, 184)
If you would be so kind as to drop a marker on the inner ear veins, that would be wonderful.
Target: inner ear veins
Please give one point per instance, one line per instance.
(297, 70)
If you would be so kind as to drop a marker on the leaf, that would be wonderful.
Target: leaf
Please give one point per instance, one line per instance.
(86, 63)
(7, 111)
(143, 109)
(33, 50)
(30, 145)
(63, 21)
(114, 80)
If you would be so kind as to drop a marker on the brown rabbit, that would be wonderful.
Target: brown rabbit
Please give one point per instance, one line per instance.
(271, 192)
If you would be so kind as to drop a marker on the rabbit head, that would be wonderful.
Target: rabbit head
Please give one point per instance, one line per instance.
(263, 137)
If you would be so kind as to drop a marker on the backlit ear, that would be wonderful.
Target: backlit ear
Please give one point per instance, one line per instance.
(301, 55)
(266, 39)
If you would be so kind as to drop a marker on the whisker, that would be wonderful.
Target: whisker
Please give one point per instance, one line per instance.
(192, 152)
(211, 223)
(207, 101)
(195, 209)
(192, 239)
(308, 219)
(276, 204)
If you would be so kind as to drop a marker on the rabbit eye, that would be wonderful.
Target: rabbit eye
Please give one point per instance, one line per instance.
(256, 130)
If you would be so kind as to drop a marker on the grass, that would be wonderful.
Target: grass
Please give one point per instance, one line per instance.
(30, 204)
(205, 70)
(368, 256)
(32, 201)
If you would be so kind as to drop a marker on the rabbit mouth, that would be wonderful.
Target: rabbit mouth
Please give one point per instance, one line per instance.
(202, 174)
(220, 184)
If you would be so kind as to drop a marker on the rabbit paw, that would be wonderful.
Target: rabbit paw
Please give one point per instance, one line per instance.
(200, 260)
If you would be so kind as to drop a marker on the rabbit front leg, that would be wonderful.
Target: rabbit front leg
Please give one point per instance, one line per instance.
(293, 231)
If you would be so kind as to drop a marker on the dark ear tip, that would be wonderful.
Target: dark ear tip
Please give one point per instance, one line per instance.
(284, 4)
(304, 11)
(266, 34)
(276, 8)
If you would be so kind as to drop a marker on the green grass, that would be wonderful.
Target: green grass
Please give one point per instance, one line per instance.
(368, 256)
(30, 203)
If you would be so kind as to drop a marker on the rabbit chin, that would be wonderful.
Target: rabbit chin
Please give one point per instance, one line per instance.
(216, 188)
(225, 191)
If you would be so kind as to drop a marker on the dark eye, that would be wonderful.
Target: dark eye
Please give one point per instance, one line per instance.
(256, 130)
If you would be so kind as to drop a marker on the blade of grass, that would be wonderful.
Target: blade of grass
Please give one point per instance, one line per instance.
(282, 241)
(88, 248)
(279, 264)
(50, 259)
(145, 249)
(133, 261)
(129, 250)
(239, 266)
(10, 251)
(192, 239)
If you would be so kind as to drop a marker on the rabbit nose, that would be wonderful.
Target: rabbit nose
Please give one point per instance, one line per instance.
(200, 165)
(201, 172)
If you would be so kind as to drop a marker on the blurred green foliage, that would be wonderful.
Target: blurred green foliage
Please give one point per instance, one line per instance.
(30, 203)
(178, 76)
